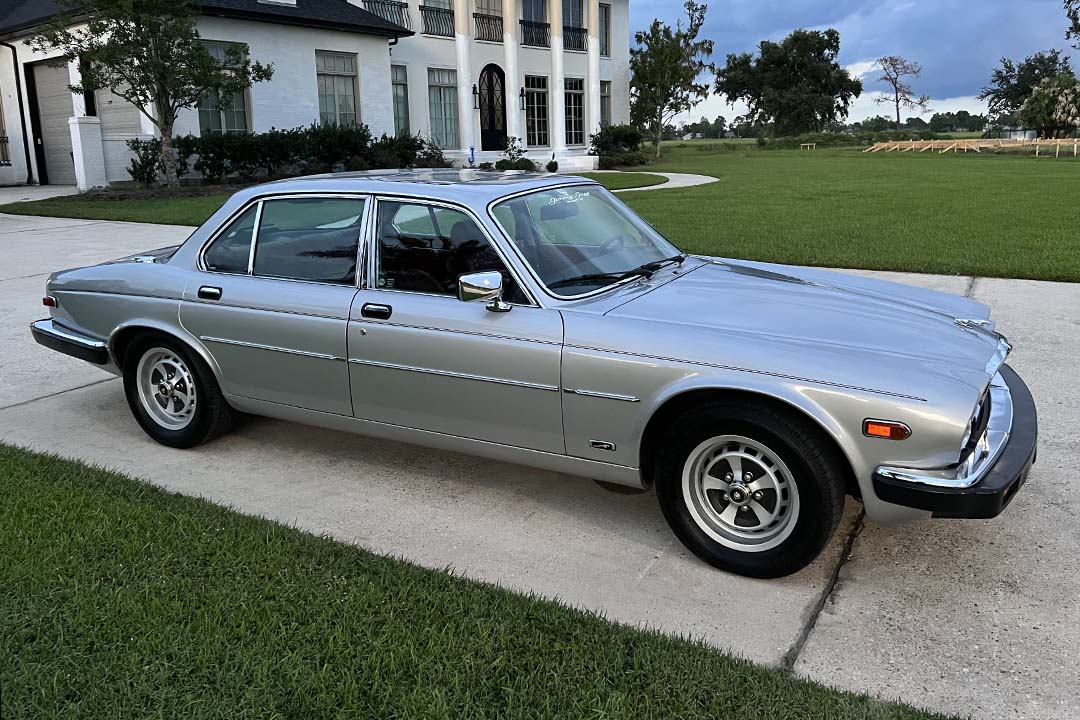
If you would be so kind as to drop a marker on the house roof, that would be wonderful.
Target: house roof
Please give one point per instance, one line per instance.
(20, 15)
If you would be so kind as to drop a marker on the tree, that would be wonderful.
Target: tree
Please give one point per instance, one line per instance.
(665, 67)
(893, 71)
(1052, 105)
(1072, 10)
(878, 123)
(1012, 83)
(149, 53)
(796, 84)
(916, 123)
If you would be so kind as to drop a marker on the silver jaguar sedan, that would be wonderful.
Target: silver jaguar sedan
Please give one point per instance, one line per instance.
(537, 320)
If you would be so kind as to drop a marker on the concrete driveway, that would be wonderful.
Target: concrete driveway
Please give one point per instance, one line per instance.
(969, 617)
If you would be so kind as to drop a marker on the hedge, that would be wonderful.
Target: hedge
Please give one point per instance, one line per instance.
(283, 153)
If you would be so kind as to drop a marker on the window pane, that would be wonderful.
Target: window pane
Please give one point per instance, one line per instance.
(229, 253)
(605, 30)
(536, 110)
(425, 249)
(399, 78)
(309, 239)
(575, 111)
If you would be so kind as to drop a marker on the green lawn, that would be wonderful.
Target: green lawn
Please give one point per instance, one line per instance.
(990, 215)
(624, 180)
(120, 600)
(954, 214)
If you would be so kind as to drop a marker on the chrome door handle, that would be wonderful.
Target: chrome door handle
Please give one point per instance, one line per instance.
(374, 310)
(209, 293)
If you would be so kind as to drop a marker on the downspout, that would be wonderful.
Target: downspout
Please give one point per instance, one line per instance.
(27, 140)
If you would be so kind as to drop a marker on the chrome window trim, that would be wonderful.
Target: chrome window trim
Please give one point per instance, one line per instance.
(200, 261)
(373, 261)
(460, 376)
(532, 273)
(275, 348)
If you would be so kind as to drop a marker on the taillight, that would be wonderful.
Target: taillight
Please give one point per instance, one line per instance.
(49, 301)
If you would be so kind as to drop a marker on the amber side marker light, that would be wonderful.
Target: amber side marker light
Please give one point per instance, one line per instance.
(888, 429)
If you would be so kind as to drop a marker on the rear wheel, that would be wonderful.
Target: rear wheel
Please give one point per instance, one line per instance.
(172, 393)
(750, 488)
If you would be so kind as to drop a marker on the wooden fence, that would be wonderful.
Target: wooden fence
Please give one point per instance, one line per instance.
(977, 145)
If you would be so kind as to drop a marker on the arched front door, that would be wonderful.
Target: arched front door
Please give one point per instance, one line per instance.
(492, 89)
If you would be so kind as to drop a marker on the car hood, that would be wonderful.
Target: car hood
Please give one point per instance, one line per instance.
(803, 308)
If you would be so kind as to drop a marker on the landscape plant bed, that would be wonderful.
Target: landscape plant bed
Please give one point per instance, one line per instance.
(118, 599)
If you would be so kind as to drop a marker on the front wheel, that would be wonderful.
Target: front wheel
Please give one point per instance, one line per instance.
(172, 393)
(750, 488)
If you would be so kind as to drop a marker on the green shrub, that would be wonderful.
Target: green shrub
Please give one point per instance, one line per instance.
(616, 139)
(519, 164)
(485, 166)
(552, 166)
(430, 155)
(622, 159)
(146, 162)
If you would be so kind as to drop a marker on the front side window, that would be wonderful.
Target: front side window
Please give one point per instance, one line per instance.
(575, 111)
(426, 248)
(443, 106)
(335, 74)
(605, 30)
(536, 110)
(221, 113)
(579, 239)
(400, 85)
(312, 239)
(605, 103)
(231, 249)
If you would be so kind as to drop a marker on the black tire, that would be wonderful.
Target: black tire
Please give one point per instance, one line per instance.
(212, 415)
(816, 468)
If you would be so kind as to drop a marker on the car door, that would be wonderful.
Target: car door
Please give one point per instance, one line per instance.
(421, 358)
(271, 302)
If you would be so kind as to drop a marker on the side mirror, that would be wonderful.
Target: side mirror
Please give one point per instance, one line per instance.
(484, 287)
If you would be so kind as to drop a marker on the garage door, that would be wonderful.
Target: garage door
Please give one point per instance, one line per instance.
(54, 108)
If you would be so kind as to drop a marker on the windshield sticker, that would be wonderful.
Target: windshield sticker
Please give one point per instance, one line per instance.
(565, 197)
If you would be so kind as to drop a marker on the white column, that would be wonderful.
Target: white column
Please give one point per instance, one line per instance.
(87, 152)
(467, 115)
(557, 86)
(511, 31)
(593, 79)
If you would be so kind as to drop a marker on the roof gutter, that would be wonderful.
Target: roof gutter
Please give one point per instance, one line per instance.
(22, 112)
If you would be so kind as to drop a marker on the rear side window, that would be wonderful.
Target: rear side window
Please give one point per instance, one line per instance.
(230, 251)
(311, 239)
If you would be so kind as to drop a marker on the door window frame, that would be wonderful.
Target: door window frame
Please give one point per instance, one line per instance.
(371, 272)
(366, 220)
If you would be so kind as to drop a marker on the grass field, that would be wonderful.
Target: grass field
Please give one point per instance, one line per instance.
(989, 215)
(982, 215)
(119, 600)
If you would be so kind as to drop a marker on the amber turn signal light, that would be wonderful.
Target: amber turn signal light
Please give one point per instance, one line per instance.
(888, 429)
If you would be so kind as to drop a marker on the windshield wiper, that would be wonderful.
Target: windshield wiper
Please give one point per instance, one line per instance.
(643, 270)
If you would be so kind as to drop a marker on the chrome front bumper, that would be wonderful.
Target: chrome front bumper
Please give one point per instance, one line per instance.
(985, 482)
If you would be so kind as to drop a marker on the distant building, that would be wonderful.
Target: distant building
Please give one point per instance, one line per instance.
(468, 74)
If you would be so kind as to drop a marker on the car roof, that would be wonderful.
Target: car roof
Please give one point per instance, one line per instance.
(464, 185)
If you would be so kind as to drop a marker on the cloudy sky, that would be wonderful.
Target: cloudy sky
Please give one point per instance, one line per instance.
(958, 43)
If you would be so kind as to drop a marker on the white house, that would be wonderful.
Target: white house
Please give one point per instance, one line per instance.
(467, 73)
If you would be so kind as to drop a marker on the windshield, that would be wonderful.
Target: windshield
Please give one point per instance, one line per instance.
(580, 239)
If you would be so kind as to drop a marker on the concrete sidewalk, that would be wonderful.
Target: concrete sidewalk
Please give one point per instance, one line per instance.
(968, 617)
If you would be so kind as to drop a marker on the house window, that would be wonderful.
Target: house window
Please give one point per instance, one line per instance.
(443, 106)
(605, 30)
(399, 79)
(534, 10)
(573, 13)
(335, 74)
(221, 113)
(575, 111)
(536, 110)
(605, 103)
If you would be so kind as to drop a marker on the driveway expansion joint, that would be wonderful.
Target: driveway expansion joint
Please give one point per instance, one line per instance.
(791, 657)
